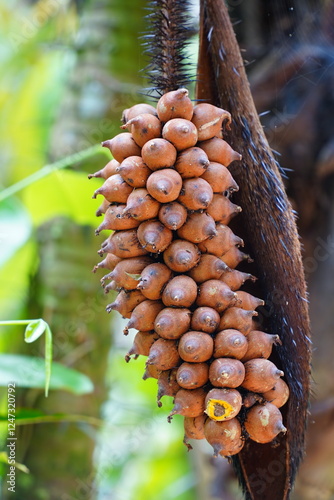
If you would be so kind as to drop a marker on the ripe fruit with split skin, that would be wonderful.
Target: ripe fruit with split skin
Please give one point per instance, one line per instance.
(261, 375)
(223, 404)
(225, 437)
(122, 146)
(180, 291)
(175, 104)
(181, 133)
(205, 319)
(153, 279)
(230, 343)
(164, 354)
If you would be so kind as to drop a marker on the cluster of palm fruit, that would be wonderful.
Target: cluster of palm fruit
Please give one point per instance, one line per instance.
(172, 259)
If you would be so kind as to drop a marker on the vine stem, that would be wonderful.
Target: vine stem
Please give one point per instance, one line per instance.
(48, 169)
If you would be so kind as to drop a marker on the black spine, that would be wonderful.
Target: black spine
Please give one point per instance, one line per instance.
(169, 29)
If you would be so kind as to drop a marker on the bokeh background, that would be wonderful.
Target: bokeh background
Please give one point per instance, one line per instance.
(69, 68)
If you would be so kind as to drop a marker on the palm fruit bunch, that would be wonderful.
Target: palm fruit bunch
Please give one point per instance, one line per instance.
(172, 260)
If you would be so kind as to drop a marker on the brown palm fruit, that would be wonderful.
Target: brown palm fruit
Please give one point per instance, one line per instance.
(180, 291)
(122, 146)
(141, 206)
(143, 128)
(110, 262)
(278, 395)
(142, 344)
(181, 133)
(248, 301)
(223, 404)
(107, 171)
(197, 228)
(230, 343)
(225, 437)
(173, 215)
(234, 256)
(114, 189)
(167, 384)
(208, 120)
(115, 220)
(164, 354)
(219, 151)
(193, 429)
(159, 153)
(175, 104)
(226, 372)
(192, 162)
(264, 422)
(154, 236)
(222, 209)
(102, 208)
(220, 178)
(125, 302)
(237, 319)
(138, 109)
(181, 256)
(164, 185)
(209, 267)
(143, 316)
(195, 347)
(151, 371)
(235, 279)
(222, 242)
(171, 323)
(189, 403)
(260, 345)
(205, 319)
(196, 194)
(215, 294)
(153, 279)
(127, 271)
(134, 171)
(192, 375)
(124, 244)
(261, 375)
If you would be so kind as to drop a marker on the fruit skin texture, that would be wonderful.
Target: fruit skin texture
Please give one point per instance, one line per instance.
(205, 319)
(260, 345)
(278, 395)
(164, 185)
(264, 422)
(181, 256)
(215, 294)
(153, 279)
(224, 437)
(261, 375)
(196, 347)
(194, 428)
